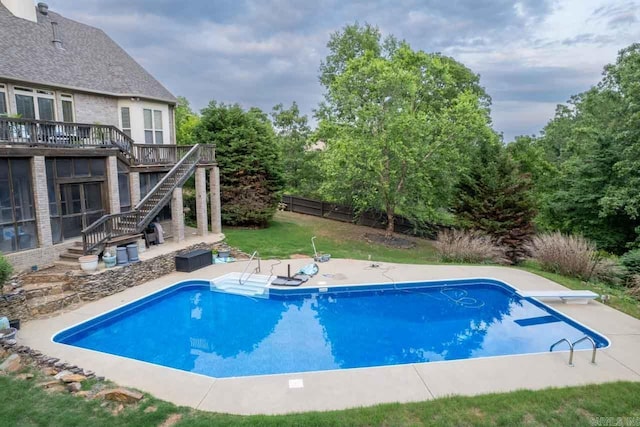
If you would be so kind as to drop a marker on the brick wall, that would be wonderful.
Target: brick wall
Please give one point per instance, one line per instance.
(96, 109)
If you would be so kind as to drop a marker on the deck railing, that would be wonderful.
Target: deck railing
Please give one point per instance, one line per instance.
(64, 135)
(32, 133)
(152, 154)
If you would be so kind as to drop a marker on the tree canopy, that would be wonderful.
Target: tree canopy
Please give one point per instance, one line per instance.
(593, 143)
(186, 122)
(294, 139)
(250, 170)
(398, 124)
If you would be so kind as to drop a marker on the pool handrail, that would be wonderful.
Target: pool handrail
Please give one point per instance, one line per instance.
(593, 344)
(570, 348)
(256, 270)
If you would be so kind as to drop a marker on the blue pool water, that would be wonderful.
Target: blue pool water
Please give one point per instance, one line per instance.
(192, 328)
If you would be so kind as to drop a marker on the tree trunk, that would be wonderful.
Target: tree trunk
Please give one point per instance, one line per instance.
(391, 219)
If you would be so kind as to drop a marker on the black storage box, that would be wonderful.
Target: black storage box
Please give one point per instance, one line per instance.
(193, 260)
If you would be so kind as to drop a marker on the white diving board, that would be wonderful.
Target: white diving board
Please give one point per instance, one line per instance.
(569, 297)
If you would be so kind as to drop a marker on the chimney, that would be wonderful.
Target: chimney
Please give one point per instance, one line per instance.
(57, 42)
(21, 9)
(43, 8)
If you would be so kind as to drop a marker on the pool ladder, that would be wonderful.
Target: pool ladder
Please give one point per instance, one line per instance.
(256, 270)
(572, 347)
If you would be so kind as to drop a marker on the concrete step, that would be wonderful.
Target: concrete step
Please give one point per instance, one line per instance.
(50, 303)
(76, 250)
(68, 256)
(36, 290)
(70, 265)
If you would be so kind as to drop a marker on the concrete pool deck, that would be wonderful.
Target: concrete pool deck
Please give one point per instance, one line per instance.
(340, 389)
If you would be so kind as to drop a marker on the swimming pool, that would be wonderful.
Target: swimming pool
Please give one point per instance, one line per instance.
(190, 327)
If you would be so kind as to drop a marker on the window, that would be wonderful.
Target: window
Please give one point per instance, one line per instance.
(3, 101)
(153, 126)
(24, 107)
(157, 121)
(67, 108)
(17, 213)
(27, 100)
(125, 116)
(123, 187)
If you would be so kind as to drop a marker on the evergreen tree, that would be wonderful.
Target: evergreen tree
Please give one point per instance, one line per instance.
(250, 172)
(496, 198)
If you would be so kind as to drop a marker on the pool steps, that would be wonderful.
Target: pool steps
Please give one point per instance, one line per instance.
(255, 286)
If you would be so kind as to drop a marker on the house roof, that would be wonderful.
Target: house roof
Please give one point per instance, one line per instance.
(89, 61)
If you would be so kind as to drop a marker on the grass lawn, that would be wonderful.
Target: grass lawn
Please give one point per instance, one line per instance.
(25, 404)
(291, 233)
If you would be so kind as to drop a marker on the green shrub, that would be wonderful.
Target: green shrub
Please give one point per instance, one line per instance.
(5, 270)
(250, 170)
(631, 262)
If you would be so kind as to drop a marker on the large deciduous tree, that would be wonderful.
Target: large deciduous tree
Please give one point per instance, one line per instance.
(250, 171)
(299, 161)
(186, 122)
(594, 142)
(398, 124)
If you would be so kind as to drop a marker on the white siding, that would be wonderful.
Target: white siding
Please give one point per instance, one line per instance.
(136, 109)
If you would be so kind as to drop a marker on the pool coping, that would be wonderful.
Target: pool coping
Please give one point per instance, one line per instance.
(339, 389)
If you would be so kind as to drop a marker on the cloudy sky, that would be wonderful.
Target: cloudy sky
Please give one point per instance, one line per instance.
(530, 54)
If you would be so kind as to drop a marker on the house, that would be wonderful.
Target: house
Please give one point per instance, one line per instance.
(87, 142)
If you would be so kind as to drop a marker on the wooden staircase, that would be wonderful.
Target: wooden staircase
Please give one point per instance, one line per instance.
(117, 226)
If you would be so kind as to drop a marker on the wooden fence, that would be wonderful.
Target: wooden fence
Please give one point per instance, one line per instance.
(370, 218)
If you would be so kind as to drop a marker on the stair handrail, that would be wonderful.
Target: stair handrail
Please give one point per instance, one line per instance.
(593, 344)
(135, 214)
(257, 269)
(195, 149)
(570, 348)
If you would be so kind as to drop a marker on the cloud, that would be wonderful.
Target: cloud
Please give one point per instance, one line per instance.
(618, 14)
(531, 54)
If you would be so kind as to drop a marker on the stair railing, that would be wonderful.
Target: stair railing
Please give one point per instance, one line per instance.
(95, 236)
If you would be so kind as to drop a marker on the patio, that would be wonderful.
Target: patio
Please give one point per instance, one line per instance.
(275, 394)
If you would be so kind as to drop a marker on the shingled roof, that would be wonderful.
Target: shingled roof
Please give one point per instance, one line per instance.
(89, 60)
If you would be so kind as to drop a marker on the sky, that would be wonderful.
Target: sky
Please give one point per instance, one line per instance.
(530, 54)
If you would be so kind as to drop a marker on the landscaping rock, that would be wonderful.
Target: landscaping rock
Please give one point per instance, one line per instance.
(49, 384)
(56, 388)
(74, 387)
(84, 393)
(61, 374)
(50, 371)
(11, 364)
(120, 395)
(73, 378)
(24, 376)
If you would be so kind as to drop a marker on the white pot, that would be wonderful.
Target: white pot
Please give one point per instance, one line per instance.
(88, 262)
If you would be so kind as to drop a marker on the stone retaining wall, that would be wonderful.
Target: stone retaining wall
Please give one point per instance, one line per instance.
(94, 286)
(89, 287)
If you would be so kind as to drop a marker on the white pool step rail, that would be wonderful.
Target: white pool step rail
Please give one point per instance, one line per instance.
(255, 286)
(569, 297)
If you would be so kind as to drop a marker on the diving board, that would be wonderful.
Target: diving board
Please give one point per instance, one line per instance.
(569, 297)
